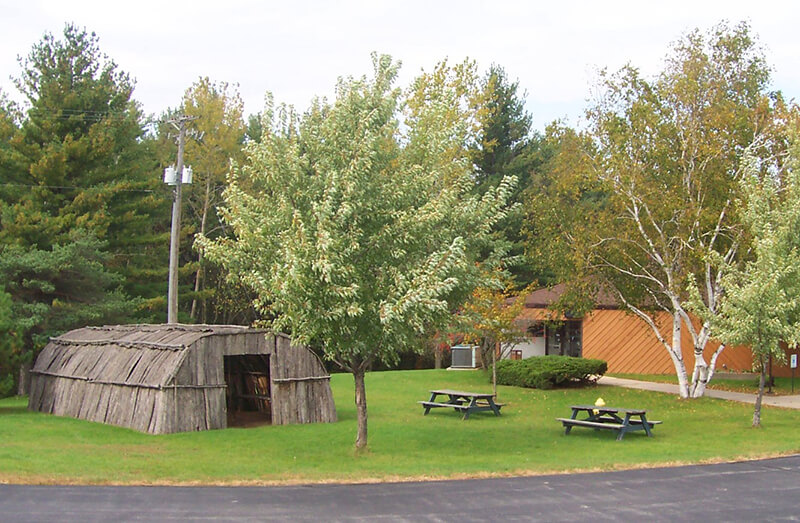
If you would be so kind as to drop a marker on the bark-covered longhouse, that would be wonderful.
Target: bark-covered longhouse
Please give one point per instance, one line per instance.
(175, 378)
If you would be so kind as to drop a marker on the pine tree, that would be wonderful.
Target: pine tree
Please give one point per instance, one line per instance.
(77, 174)
(78, 159)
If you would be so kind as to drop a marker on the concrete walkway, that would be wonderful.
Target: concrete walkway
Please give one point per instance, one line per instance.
(788, 402)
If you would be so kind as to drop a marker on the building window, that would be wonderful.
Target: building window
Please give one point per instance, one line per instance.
(536, 330)
(565, 339)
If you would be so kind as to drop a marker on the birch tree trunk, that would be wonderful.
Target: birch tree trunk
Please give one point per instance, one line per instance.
(199, 275)
(674, 349)
(676, 353)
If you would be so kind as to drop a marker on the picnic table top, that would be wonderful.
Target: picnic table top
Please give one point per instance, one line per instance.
(609, 409)
(451, 392)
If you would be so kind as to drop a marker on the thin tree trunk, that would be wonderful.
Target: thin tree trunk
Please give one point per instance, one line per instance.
(24, 385)
(361, 408)
(761, 381)
(494, 372)
(437, 356)
(199, 276)
(484, 352)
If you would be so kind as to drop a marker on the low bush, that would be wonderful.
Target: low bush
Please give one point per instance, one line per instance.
(546, 372)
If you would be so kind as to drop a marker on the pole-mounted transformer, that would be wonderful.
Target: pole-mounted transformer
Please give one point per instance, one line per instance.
(171, 177)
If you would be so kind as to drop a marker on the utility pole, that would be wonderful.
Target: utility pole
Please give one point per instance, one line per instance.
(176, 176)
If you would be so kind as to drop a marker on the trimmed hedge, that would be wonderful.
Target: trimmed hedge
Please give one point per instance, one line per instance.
(546, 372)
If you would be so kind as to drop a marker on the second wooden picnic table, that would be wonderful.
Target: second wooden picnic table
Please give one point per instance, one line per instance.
(463, 401)
(612, 418)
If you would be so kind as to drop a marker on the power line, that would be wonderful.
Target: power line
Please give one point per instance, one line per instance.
(77, 114)
(30, 186)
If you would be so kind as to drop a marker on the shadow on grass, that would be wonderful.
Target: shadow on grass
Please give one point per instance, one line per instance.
(5, 411)
(346, 415)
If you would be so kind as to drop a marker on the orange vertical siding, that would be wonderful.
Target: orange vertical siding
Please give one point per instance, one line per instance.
(629, 345)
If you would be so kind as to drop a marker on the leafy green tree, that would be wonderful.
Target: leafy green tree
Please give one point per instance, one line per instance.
(761, 303)
(356, 233)
(563, 208)
(657, 174)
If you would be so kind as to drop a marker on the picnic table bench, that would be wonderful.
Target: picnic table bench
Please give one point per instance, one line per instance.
(462, 401)
(610, 418)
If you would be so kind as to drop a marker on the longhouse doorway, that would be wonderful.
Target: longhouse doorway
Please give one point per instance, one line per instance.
(248, 390)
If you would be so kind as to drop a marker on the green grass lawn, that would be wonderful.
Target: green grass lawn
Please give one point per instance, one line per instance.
(782, 387)
(403, 444)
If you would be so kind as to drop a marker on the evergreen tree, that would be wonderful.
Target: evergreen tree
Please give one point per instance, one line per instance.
(78, 160)
(56, 289)
(505, 132)
(9, 346)
(81, 194)
(507, 146)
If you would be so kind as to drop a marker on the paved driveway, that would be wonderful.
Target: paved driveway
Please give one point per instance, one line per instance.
(766, 490)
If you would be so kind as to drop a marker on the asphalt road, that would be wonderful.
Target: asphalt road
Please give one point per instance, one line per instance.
(767, 490)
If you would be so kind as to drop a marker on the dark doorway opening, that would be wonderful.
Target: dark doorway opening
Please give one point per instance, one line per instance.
(248, 390)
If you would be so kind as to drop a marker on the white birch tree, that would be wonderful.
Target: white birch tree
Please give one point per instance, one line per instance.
(659, 168)
(218, 131)
(356, 233)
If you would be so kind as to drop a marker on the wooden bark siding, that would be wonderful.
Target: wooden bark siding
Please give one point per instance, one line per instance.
(297, 400)
(169, 378)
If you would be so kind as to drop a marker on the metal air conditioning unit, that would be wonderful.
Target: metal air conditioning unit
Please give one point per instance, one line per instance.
(464, 356)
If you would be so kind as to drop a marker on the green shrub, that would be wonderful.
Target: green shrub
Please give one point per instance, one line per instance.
(546, 372)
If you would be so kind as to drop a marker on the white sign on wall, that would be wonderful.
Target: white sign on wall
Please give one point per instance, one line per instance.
(793, 361)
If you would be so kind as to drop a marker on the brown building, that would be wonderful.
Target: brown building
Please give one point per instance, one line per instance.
(613, 335)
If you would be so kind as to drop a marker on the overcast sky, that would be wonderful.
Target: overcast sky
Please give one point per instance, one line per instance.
(297, 48)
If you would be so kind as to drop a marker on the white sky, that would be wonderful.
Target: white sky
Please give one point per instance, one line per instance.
(297, 48)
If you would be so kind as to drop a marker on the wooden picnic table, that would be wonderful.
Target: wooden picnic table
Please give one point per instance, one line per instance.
(611, 418)
(463, 401)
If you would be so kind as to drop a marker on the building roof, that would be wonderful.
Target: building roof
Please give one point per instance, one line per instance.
(132, 355)
(546, 296)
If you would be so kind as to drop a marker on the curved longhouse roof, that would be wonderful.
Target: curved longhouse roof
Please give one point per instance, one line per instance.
(134, 355)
